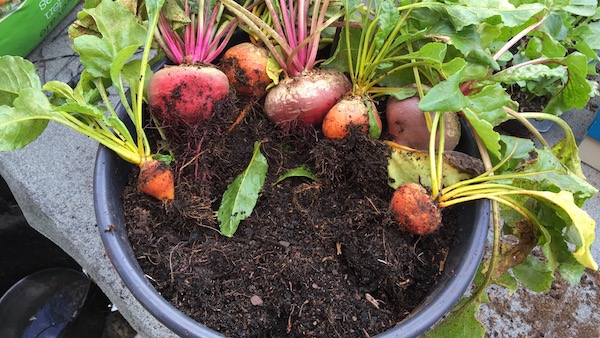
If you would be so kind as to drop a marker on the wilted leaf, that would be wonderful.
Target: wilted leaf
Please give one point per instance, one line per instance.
(409, 165)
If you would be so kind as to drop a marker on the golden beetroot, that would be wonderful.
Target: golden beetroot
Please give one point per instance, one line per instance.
(349, 111)
(157, 180)
(414, 209)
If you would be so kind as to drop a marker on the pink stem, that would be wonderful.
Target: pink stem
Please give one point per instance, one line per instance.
(200, 31)
(302, 14)
(188, 33)
(171, 39)
(313, 45)
(220, 41)
(208, 34)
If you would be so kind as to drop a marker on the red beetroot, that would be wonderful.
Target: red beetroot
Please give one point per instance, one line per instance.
(406, 122)
(186, 93)
(414, 209)
(306, 98)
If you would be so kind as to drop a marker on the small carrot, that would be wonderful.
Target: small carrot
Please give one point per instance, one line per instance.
(415, 210)
(349, 111)
(156, 179)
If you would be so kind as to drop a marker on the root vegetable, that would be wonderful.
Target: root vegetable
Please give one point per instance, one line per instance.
(245, 65)
(414, 209)
(157, 180)
(406, 122)
(186, 93)
(306, 98)
(349, 111)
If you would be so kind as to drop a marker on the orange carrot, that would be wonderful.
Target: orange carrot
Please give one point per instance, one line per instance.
(350, 110)
(414, 209)
(157, 180)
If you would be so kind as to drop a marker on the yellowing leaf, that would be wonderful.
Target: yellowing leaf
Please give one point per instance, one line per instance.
(410, 165)
(583, 224)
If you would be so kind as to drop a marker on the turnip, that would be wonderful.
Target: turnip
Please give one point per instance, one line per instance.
(305, 95)
(188, 93)
(406, 122)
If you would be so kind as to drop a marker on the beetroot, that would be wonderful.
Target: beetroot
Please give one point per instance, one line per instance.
(406, 122)
(414, 209)
(186, 93)
(306, 98)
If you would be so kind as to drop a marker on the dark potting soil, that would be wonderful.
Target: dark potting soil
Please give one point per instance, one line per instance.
(317, 258)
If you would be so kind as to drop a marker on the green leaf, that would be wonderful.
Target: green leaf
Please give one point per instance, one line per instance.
(551, 175)
(529, 73)
(576, 92)
(119, 29)
(485, 131)
(388, 18)
(534, 274)
(522, 150)
(445, 96)
(489, 103)
(403, 93)
(572, 273)
(75, 108)
(459, 323)
(301, 171)
(16, 73)
(25, 121)
(154, 6)
(240, 197)
(59, 90)
(508, 281)
(475, 12)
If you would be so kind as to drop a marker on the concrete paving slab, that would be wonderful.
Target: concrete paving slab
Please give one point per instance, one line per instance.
(52, 182)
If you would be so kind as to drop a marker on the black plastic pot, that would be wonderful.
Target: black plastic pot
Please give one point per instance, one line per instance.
(110, 178)
(43, 292)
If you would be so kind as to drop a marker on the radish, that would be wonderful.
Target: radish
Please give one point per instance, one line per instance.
(188, 93)
(305, 95)
(406, 122)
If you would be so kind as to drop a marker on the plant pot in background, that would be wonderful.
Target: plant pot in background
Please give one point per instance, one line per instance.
(111, 177)
(43, 291)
